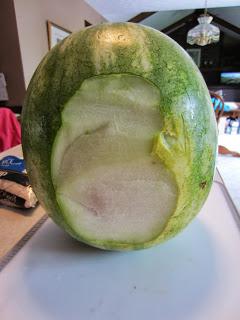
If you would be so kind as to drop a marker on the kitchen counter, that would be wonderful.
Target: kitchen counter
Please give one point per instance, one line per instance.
(193, 276)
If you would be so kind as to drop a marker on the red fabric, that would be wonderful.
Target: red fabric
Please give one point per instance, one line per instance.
(10, 129)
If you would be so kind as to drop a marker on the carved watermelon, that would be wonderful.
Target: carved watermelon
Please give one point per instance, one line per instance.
(119, 136)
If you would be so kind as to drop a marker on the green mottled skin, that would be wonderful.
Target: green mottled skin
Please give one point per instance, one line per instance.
(189, 126)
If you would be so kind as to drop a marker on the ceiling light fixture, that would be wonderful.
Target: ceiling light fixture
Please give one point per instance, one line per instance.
(204, 33)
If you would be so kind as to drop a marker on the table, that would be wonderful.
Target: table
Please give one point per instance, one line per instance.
(233, 113)
(193, 276)
(16, 224)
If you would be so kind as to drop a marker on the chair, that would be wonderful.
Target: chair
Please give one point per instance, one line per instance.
(10, 129)
(232, 122)
(218, 105)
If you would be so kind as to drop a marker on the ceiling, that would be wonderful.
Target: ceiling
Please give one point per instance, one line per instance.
(163, 19)
(123, 10)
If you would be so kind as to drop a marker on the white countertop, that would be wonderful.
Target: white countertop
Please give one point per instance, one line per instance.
(194, 276)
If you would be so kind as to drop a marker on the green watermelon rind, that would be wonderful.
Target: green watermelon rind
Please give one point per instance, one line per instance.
(185, 107)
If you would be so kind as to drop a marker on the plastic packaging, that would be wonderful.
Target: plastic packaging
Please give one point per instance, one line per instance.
(15, 189)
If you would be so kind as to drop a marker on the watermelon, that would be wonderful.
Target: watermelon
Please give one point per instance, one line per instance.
(119, 136)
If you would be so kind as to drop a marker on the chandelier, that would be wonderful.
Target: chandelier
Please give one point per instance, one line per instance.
(204, 33)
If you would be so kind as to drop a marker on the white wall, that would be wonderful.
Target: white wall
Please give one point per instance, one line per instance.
(31, 18)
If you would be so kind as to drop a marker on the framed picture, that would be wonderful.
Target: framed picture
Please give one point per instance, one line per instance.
(195, 54)
(55, 34)
(87, 23)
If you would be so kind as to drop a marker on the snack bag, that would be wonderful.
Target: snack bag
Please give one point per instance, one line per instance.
(15, 189)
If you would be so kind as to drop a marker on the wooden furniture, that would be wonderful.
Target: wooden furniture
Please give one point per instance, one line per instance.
(16, 224)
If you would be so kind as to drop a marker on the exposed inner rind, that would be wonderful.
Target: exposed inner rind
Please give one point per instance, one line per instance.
(108, 184)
